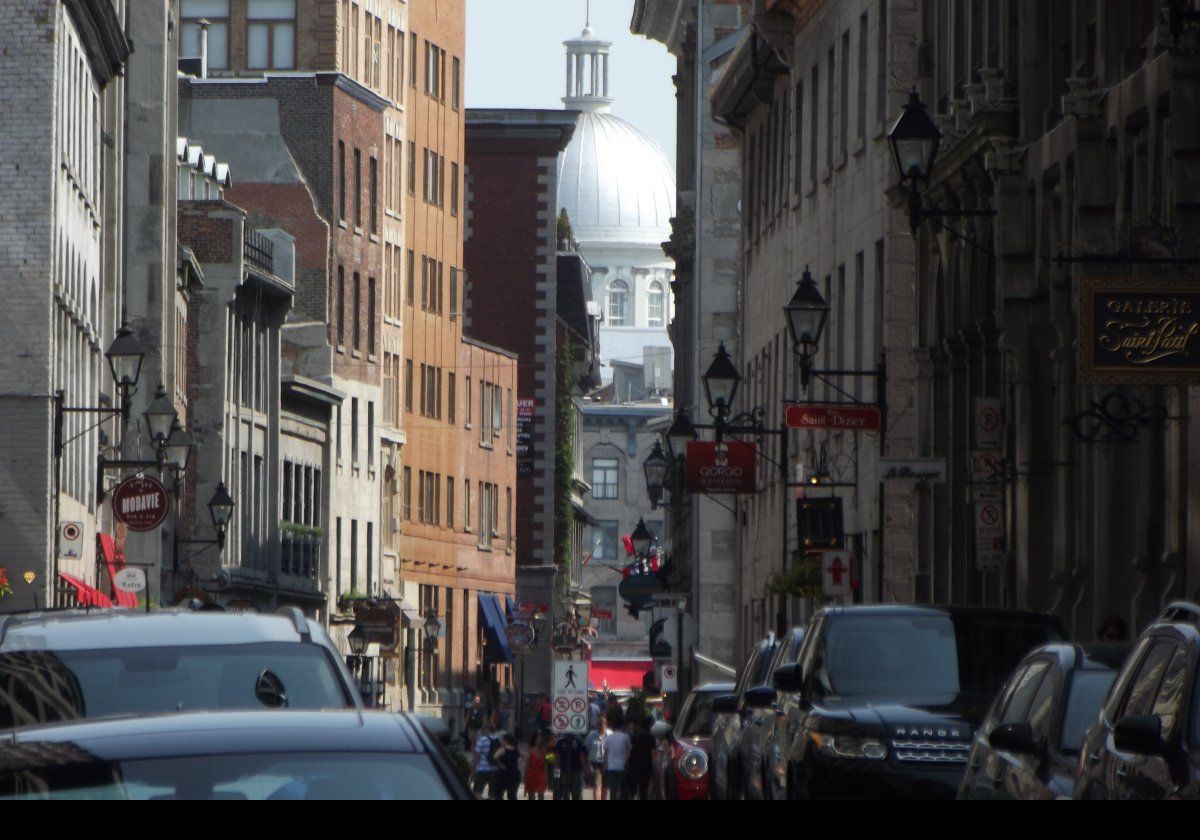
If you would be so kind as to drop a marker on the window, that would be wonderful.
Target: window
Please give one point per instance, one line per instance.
(508, 534)
(425, 282)
(435, 71)
(604, 541)
(357, 189)
(862, 78)
(450, 397)
(373, 183)
(370, 433)
(814, 122)
(354, 430)
(342, 180)
(412, 167)
(449, 502)
(370, 556)
(407, 491)
(605, 477)
(409, 278)
(454, 272)
(216, 12)
(357, 311)
(456, 77)
(412, 57)
(408, 385)
(341, 305)
(271, 34)
(618, 301)
(844, 120)
(655, 305)
(798, 165)
(467, 413)
(467, 505)
(354, 555)
(454, 186)
(371, 315)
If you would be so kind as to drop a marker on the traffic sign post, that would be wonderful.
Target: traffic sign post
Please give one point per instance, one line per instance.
(988, 423)
(835, 573)
(569, 698)
(989, 534)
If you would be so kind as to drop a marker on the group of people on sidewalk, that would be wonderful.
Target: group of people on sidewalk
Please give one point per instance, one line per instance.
(616, 759)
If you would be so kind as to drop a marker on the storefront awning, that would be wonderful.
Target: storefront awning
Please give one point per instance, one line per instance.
(115, 561)
(619, 674)
(492, 616)
(87, 596)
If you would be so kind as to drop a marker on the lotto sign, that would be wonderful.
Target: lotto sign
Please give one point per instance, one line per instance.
(140, 503)
(989, 534)
(570, 703)
(987, 423)
(835, 573)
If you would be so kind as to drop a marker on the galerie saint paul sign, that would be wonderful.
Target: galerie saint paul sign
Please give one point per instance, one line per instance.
(1139, 331)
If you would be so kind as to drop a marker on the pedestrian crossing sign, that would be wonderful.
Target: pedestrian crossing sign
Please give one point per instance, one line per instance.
(569, 697)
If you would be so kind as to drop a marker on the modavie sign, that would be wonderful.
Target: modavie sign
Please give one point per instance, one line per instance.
(1139, 331)
(140, 503)
(855, 418)
(727, 469)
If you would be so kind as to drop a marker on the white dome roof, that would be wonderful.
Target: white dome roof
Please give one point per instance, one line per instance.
(615, 183)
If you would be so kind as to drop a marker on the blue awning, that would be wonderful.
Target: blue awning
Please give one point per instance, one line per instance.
(492, 615)
(512, 607)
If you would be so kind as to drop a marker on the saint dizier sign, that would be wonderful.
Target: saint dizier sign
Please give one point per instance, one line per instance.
(1138, 331)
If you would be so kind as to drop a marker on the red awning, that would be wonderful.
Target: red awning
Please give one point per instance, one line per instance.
(115, 561)
(87, 596)
(620, 674)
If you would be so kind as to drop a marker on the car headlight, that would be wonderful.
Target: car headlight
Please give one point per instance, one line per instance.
(694, 765)
(848, 746)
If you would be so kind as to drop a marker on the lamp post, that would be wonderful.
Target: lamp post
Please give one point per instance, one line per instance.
(914, 138)
(656, 466)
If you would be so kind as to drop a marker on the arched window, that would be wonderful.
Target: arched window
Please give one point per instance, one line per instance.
(655, 306)
(618, 303)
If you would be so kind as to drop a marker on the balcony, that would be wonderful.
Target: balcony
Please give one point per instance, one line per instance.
(259, 251)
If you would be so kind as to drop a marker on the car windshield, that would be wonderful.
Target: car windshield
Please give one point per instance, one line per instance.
(695, 718)
(64, 771)
(1083, 707)
(44, 686)
(927, 656)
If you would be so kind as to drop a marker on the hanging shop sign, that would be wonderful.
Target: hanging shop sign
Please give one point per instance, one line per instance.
(526, 409)
(520, 636)
(724, 469)
(380, 621)
(855, 418)
(141, 503)
(130, 579)
(639, 590)
(930, 470)
(565, 638)
(1139, 331)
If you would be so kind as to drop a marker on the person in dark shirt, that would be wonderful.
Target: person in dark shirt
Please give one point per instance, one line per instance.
(641, 762)
(571, 757)
(508, 775)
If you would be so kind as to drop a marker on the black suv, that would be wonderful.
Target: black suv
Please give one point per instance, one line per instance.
(1146, 744)
(734, 712)
(884, 700)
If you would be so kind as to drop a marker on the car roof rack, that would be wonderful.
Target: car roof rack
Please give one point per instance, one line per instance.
(298, 619)
(1181, 611)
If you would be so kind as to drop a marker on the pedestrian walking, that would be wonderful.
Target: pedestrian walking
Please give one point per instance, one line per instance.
(571, 754)
(483, 771)
(535, 768)
(595, 749)
(507, 760)
(641, 761)
(545, 714)
(616, 759)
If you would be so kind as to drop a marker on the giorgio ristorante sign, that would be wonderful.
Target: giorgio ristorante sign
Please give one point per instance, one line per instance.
(1139, 331)
(728, 468)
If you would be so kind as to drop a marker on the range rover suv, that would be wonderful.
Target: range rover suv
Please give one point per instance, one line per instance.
(884, 700)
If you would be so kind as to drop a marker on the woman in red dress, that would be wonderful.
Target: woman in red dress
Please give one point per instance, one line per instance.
(535, 769)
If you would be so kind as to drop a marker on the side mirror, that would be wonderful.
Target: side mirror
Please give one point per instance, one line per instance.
(1140, 734)
(1013, 738)
(725, 704)
(760, 697)
(788, 678)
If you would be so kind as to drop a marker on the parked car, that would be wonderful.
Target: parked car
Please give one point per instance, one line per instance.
(1146, 742)
(1028, 745)
(681, 761)
(757, 749)
(733, 715)
(884, 700)
(230, 755)
(67, 665)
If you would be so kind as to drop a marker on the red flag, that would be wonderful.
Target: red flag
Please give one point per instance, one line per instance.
(628, 542)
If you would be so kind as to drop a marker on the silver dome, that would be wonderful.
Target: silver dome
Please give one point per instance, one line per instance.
(615, 183)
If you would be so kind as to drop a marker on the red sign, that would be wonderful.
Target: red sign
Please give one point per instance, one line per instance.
(729, 469)
(856, 418)
(604, 614)
(140, 503)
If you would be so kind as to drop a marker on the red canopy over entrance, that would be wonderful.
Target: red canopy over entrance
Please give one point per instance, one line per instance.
(86, 595)
(620, 674)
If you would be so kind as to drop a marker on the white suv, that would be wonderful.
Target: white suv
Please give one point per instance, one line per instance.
(67, 665)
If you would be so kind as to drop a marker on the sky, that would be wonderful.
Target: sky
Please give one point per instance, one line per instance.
(515, 59)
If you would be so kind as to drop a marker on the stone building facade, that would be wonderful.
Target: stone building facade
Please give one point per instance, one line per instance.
(61, 262)
(704, 243)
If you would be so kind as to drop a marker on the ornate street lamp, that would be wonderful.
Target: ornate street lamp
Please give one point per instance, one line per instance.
(656, 467)
(641, 538)
(220, 508)
(721, 383)
(160, 417)
(125, 356)
(680, 432)
(432, 627)
(806, 313)
(914, 139)
(178, 451)
(357, 639)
